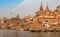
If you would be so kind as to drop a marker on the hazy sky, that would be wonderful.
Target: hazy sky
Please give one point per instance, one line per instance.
(24, 7)
(7, 5)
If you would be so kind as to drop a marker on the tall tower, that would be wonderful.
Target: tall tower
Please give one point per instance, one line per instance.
(41, 7)
(3, 19)
(47, 14)
(47, 8)
(17, 16)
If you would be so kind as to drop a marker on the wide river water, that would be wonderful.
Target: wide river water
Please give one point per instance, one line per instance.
(14, 33)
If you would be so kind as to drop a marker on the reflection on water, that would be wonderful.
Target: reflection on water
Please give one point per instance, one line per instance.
(39, 34)
(9, 33)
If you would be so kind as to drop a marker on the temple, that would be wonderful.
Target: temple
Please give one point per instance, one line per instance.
(42, 20)
(45, 19)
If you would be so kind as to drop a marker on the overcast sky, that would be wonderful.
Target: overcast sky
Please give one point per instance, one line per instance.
(24, 7)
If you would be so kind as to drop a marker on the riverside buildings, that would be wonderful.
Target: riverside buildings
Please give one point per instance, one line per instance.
(42, 20)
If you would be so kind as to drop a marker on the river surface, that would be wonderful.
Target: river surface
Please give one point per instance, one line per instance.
(13, 33)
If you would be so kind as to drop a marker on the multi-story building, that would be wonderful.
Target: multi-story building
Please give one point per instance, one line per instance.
(11, 23)
(46, 19)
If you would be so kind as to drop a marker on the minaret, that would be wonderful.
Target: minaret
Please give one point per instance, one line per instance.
(41, 7)
(17, 16)
(47, 8)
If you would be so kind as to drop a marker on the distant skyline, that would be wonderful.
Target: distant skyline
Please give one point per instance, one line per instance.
(24, 7)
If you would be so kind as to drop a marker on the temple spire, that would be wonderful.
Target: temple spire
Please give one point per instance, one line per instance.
(41, 7)
(17, 16)
(47, 8)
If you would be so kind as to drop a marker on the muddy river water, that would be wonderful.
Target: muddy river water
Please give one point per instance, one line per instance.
(15, 33)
